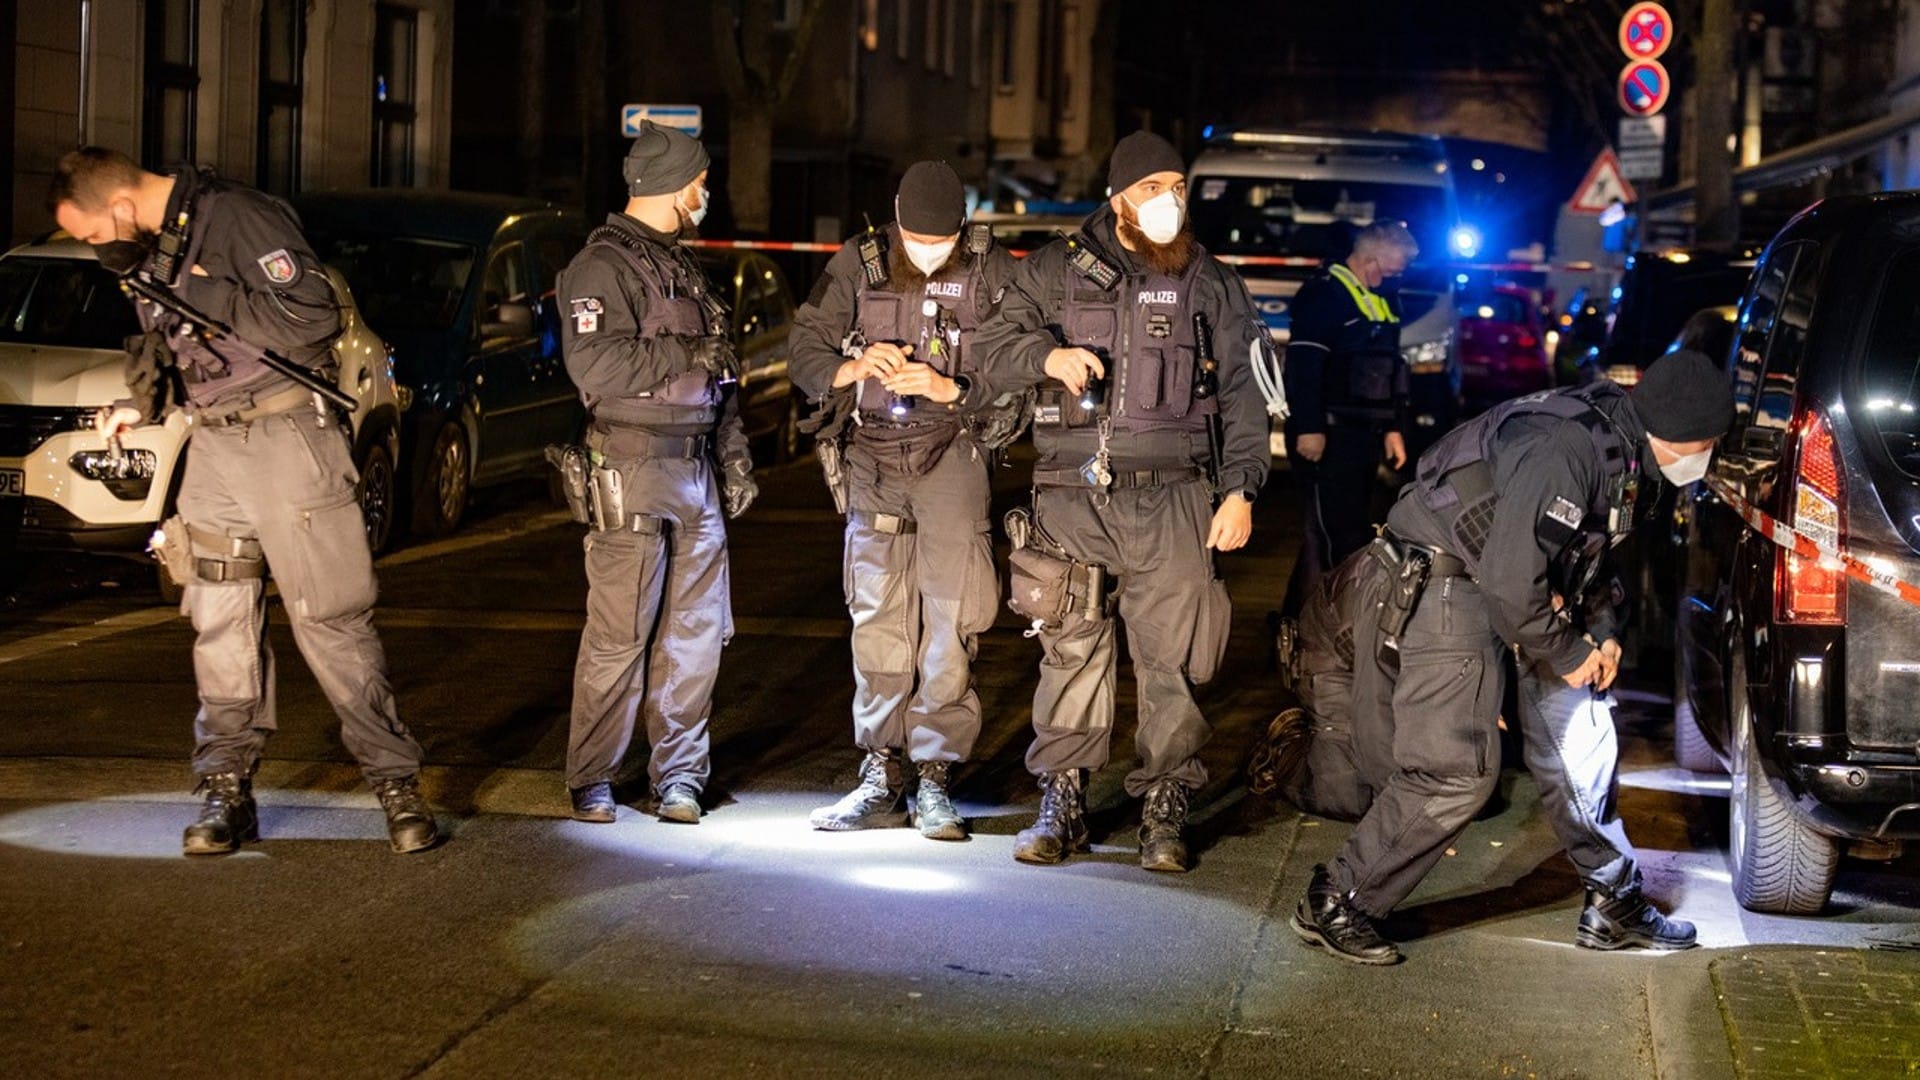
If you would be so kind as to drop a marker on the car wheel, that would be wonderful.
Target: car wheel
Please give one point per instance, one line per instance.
(378, 489)
(786, 435)
(445, 483)
(1780, 866)
(1691, 750)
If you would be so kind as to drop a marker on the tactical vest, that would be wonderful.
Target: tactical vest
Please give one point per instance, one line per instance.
(675, 287)
(1365, 370)
(949, 309)
(1142, 329)
(1455, 479)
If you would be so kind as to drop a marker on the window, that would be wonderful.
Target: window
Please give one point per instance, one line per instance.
(1757, 318)
(870, 25)
(1774, 409)
(283, 46)
(951, 37)
(934, 20)
(173, 81)
(395, 53)
(505, 283)
(1887, 393)
(71, 303)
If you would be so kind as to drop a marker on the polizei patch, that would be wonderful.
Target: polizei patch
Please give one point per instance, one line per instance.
(279, 267)
(586, 314)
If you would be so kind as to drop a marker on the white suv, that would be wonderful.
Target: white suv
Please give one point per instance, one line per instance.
(63, 320)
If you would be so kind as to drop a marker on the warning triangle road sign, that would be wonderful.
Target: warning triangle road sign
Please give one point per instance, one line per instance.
(1603, 186)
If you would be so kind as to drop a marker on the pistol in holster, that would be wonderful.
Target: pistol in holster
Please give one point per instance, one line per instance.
(572, 465)
(607, 504)
(833, 466)
(1411, 568)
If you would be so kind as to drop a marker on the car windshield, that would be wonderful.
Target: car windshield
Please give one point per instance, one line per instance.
(401, 282)
(1888, 391)
(1257, 215)
(73, 303)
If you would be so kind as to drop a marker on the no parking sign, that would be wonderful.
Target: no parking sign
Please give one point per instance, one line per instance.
(1644, 88)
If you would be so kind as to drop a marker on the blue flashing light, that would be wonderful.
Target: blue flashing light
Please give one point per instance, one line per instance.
(1465, 240)
(1461, 278)
(1207, 132)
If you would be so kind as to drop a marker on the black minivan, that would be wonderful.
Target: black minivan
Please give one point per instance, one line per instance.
(1803, 682)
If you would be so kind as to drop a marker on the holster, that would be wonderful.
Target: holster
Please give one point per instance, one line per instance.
(833, 467)
(607, 502)
(171, 545)
(571, 462)
(1044, 588)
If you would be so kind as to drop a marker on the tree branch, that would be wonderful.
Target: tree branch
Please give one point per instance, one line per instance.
(726, 50)
(796, 55)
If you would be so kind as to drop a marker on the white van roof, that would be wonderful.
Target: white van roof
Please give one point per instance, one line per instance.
(1371, 156)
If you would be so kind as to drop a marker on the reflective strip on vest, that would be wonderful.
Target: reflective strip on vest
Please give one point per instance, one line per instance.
(1371, 304)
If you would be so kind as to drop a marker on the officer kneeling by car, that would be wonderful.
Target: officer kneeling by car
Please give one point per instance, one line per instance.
(1509, 516)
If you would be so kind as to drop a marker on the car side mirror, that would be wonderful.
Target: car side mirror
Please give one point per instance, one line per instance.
(509, 319)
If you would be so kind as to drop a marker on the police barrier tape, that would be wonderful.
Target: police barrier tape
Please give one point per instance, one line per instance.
(1804, 546)
(814, 248)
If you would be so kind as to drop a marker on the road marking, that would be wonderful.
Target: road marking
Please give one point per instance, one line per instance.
(70, 636)
(468, 541)
(571, 621)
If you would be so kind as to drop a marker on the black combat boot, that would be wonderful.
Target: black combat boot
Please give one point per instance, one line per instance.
(1161, 820)
(1628, 920)
(594, 803)
(1062, 825)
(874, 803)
(933, 811)
(1279, 753)
(680, 803)
(410, 825)
(227, 817)
(1327, 919)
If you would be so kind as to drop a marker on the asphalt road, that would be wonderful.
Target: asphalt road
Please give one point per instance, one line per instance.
(531, 945)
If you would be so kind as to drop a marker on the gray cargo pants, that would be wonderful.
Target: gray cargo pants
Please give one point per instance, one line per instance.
(1152, 540)
(1574, 756)
(1445, 685)
(921, 587)
(287, 482)
(659, 610)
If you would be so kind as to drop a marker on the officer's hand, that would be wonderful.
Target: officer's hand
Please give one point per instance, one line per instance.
(1310, 447)
(1609, 663)
(885, 359)
(737, 488)
(1232, 524)
(114, 421)
(714, 355)
(1587, 672)
(922, 381)
(1396, 450)
(1075, 367)
(853, 371)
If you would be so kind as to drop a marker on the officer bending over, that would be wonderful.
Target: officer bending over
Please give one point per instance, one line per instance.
(1508, 516)
(270, 478)
(886, 340)
(648, 346)
(1149, 461)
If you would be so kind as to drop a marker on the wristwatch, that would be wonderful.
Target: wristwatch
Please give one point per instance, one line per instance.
(1248, 495)
(966, 387)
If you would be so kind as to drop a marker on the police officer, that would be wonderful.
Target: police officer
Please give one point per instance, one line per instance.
(890, 328)
(647, 344)
(1347, 389)
(1501, 525)
(270, 479)
(1122, 484)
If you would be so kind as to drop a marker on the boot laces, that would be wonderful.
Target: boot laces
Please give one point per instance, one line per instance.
(1060, 802)
(400, 797)
(1167, 802)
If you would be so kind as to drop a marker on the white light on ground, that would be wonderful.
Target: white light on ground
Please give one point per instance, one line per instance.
(904, 879)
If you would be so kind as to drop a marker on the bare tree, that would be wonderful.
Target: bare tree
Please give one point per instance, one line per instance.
(743, 47)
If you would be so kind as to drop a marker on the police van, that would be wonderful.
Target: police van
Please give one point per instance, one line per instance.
(1282, 203)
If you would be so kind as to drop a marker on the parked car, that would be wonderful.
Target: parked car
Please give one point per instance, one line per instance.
(1657, 294)
(762, 305)
(63, 320)
(1578, 333)
(1502, 355)
(462, 285)
(1797, 680)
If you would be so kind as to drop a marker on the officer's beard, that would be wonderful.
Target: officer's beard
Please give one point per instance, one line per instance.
(1171, 258)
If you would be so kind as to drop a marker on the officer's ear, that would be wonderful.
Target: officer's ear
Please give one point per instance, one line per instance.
(1117, 201)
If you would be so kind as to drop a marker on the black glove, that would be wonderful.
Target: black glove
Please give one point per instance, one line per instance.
(151, 373)
(714, 355)
(737, 488)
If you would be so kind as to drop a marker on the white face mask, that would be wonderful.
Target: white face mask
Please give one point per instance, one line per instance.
(1688, 468)
(1160, 217)
(928, 258)
(699, 213)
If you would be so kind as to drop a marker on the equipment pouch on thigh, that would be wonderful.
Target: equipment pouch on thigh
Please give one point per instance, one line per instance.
(608, 505)
(833, 467)
(1039, 587)
(1209, 647)
(171, 545)
(571, 463)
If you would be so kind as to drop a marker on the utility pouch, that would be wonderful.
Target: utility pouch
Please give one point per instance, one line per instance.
(1409, 580)
(1286, 654)
(173, 548)
(607, 507)
(1209, 647)
(833, 466)
(1039, 588)
(571, 463)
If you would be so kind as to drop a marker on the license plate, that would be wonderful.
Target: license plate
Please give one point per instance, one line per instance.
(13, 483)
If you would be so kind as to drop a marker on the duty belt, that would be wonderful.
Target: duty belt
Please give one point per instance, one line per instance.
(891, 524)
(1122, 479)
(625, 442)
(223, 416)
(1440, 564)
(240, 557)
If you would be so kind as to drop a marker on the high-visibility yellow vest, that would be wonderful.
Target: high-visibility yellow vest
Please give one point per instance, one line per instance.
(1371, 304)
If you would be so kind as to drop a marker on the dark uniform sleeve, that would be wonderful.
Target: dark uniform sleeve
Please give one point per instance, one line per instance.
(1316, 315)
(730, 434)
(601, 309)
(1013, 345)
(1246, 451)
(257, 274)
(822, 323)
(1545, 475)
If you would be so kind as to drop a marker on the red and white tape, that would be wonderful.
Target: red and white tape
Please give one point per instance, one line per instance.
(1804, 546)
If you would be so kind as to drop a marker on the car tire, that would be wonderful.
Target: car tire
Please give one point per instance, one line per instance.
(1691, 750)
(378, 493)
(787, 438)
(1780, 865)
(446, 482)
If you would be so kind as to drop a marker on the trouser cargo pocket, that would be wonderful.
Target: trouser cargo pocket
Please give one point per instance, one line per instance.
(326, 570)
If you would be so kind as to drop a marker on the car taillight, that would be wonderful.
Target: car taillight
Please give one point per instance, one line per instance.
(1525, 341)
(1814, 591)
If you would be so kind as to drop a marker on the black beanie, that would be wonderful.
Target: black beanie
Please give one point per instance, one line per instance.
(1139, 156)
(931, 202)
(1684, 397)
(662, 160)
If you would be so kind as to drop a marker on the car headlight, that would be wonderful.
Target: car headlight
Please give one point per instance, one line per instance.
(128, 474)
(1428, 357)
